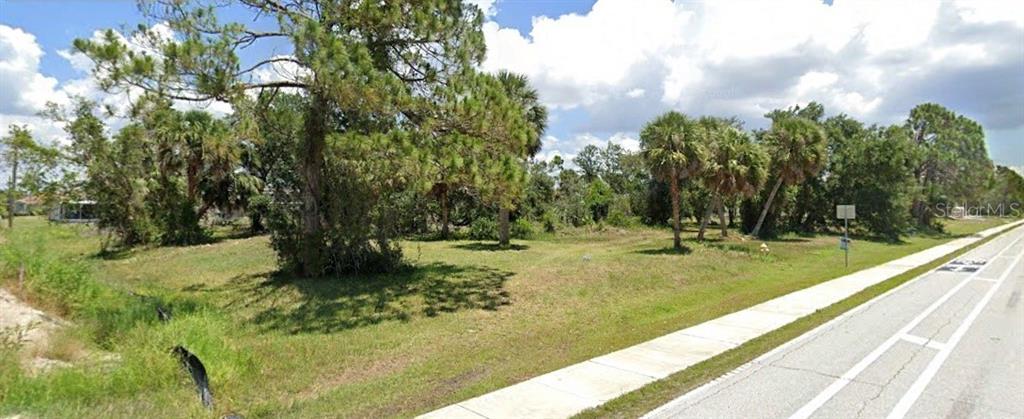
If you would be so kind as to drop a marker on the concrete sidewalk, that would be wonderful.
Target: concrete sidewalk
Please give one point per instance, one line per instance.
(575, 388)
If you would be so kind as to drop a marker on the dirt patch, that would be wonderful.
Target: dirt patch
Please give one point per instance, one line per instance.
(33, 326)
(29, 330)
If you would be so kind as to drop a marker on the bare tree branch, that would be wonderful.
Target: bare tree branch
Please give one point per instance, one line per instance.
(279, 59)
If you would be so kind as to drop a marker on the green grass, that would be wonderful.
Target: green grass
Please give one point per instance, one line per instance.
(463, 320)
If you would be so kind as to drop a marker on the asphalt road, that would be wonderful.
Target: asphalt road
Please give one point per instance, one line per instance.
(949, 344)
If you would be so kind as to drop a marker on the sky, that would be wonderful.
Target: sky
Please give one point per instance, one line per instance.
(606, 67)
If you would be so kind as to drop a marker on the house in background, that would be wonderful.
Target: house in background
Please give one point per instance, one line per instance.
(28, 205)
(74, 212)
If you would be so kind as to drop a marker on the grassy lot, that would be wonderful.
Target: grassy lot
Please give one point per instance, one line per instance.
(463, 320)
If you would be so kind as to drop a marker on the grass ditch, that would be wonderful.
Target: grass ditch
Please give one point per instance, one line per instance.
(647, 398)
(119, 347)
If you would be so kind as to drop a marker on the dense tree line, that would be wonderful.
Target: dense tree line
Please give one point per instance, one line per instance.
(158, 177)
(786, 178)
(387, 129)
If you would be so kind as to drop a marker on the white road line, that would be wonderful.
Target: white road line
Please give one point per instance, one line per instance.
(917, 340)
(928, 343)
(986, 279)
(812, 406)
(908, 399)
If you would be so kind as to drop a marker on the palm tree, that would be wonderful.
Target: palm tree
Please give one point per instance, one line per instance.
(674, 149)
(517, 88)
(737, 168)
(798, 148)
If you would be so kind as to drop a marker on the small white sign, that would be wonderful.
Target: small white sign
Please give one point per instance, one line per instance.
(846, 212)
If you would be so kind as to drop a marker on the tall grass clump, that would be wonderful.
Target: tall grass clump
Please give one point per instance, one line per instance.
(64, 285)
(131, 349)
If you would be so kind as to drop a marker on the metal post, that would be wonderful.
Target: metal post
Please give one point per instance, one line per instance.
(846, 240)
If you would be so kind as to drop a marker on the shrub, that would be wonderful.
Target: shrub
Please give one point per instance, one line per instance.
(598, 198)
(550, 221)
(658, 205)
(619, 214)
(483, 228)
(522, 229)
(574, 211)
(259, 207)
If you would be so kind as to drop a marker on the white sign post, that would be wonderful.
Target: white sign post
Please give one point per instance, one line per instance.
(846, 213)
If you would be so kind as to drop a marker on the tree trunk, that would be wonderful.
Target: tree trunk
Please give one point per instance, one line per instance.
(674, 192)
(721, 219)
(917, 208)
(443, 197)
(503, 227)
(10, 188)
(312, 160)
(705, 219)
(192, 176)
(767, 204)
(920, 212)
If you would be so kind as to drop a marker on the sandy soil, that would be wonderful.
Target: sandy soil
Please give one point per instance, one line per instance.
(29, 327)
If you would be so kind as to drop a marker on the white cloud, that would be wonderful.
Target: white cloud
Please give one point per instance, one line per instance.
(43, 130)
(23, 90)
(624, 61)
(991, 11)
(568, 148)
(967, 54)
(80, 62)
(627, 141)
(821, 86)
(813, 80)
(575, 58)
(281, 70)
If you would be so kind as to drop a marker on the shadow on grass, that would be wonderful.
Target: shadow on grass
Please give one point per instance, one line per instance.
(118, 253)
(789, 239)
(666, 251)
(435, 236)
(490, 247)
(729, 247)
(232, 234)
(325, 305)
(125, 252)
(883, 239)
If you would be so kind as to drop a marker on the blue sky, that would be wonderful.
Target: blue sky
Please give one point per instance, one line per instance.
(606, 67)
